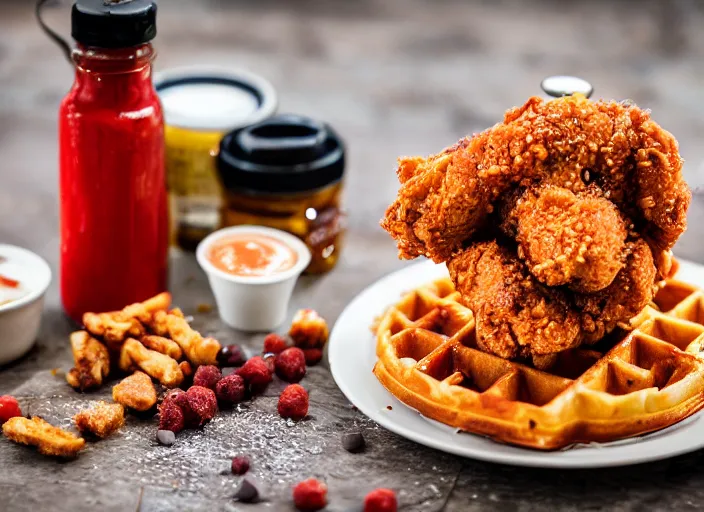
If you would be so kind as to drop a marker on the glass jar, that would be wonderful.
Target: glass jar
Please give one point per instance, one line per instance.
(201, 104)
(287, 173)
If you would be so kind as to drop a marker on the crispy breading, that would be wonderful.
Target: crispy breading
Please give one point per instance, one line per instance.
(308, 329)
(571, 142)
(198, 350)
(159, 366)
(516, 317)
(48, 439)
(578, 240)
(115, 326)
(186, 368)
(101, 419)
(163, 345)
(136, 392)
(91, 360)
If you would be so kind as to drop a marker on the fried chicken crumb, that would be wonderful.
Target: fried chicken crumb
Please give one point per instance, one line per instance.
(101, 419)
(48, 439)
(136, 392)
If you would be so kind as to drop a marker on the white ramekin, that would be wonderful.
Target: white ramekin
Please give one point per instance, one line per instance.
(21, 318)
(256, 303)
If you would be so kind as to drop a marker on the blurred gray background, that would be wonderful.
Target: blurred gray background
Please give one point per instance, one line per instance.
(394, 77)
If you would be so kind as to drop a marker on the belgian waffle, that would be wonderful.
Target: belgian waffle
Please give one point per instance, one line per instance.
(639, 380)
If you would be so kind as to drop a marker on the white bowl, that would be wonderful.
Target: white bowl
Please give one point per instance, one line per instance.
(20, 318)
(253, 303)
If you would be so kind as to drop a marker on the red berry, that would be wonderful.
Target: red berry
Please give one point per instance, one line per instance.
(274, 344)
(207, 376)
(231, 355)
(293, 402)
(180, 398)
(9, 408)
(313, 356)
(291, 364)
(310, 495)
(203, 403)
(230, 390)
(256, 373)
(240, 465)
(171, 417)
(380, 500)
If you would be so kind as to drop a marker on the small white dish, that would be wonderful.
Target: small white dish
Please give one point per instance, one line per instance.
(21, 317)
(253, 303)
(352, 354)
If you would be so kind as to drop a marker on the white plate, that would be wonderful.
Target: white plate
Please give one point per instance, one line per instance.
(352, 357)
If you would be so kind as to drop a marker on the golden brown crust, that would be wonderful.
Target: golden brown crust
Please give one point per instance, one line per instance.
(155, 364)
(308, 329)
(198, 350)
(516, 316)
(136, 392)
(101, 419)
(446, 199)
(48, 439)
(91, 360)
(652, 378)
(116, 326)
(163, 345)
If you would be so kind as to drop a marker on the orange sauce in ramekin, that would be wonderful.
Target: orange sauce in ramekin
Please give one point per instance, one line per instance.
(251, 255)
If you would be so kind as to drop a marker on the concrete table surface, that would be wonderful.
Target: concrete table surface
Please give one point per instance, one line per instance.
(393, 77)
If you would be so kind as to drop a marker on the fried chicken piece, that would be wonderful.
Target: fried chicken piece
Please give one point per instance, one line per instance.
(163, 345)
(308, 329)
(566, 238)
(632, 290)
(101, 419)
(570, 142)
(198, 350)
(48, 439)
(115, 326)
(136, 392)
(155, 364)
(91, 360)
(516, 317)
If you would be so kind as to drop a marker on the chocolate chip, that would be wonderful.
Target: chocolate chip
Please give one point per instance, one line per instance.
(231, 355)
(248, 491)
(166, 437)
(353, 442)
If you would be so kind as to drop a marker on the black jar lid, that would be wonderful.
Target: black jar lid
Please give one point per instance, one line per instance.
(285, 153)
(113, 23)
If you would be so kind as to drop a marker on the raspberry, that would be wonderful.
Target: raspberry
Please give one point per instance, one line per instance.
(256, 374)
(293, 402)
(313, 356)
(291, 364)
(240, 465)
(230, 390)
(310, 495)
(9, 408)
(171, 417)
(380, 500)
(207, 376)
(274, 344)
(203, 403)
(231, 355)
(179, 397)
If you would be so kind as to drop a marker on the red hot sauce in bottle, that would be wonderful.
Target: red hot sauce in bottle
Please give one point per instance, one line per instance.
(114, 226)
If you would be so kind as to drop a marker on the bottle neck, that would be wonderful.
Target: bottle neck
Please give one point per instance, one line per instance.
(119, 72)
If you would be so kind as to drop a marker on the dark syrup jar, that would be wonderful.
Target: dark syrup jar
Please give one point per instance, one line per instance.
(287, 173)
(114, 223)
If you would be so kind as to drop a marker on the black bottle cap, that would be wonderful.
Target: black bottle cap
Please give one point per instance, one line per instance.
(285, 153)
(113, 23)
